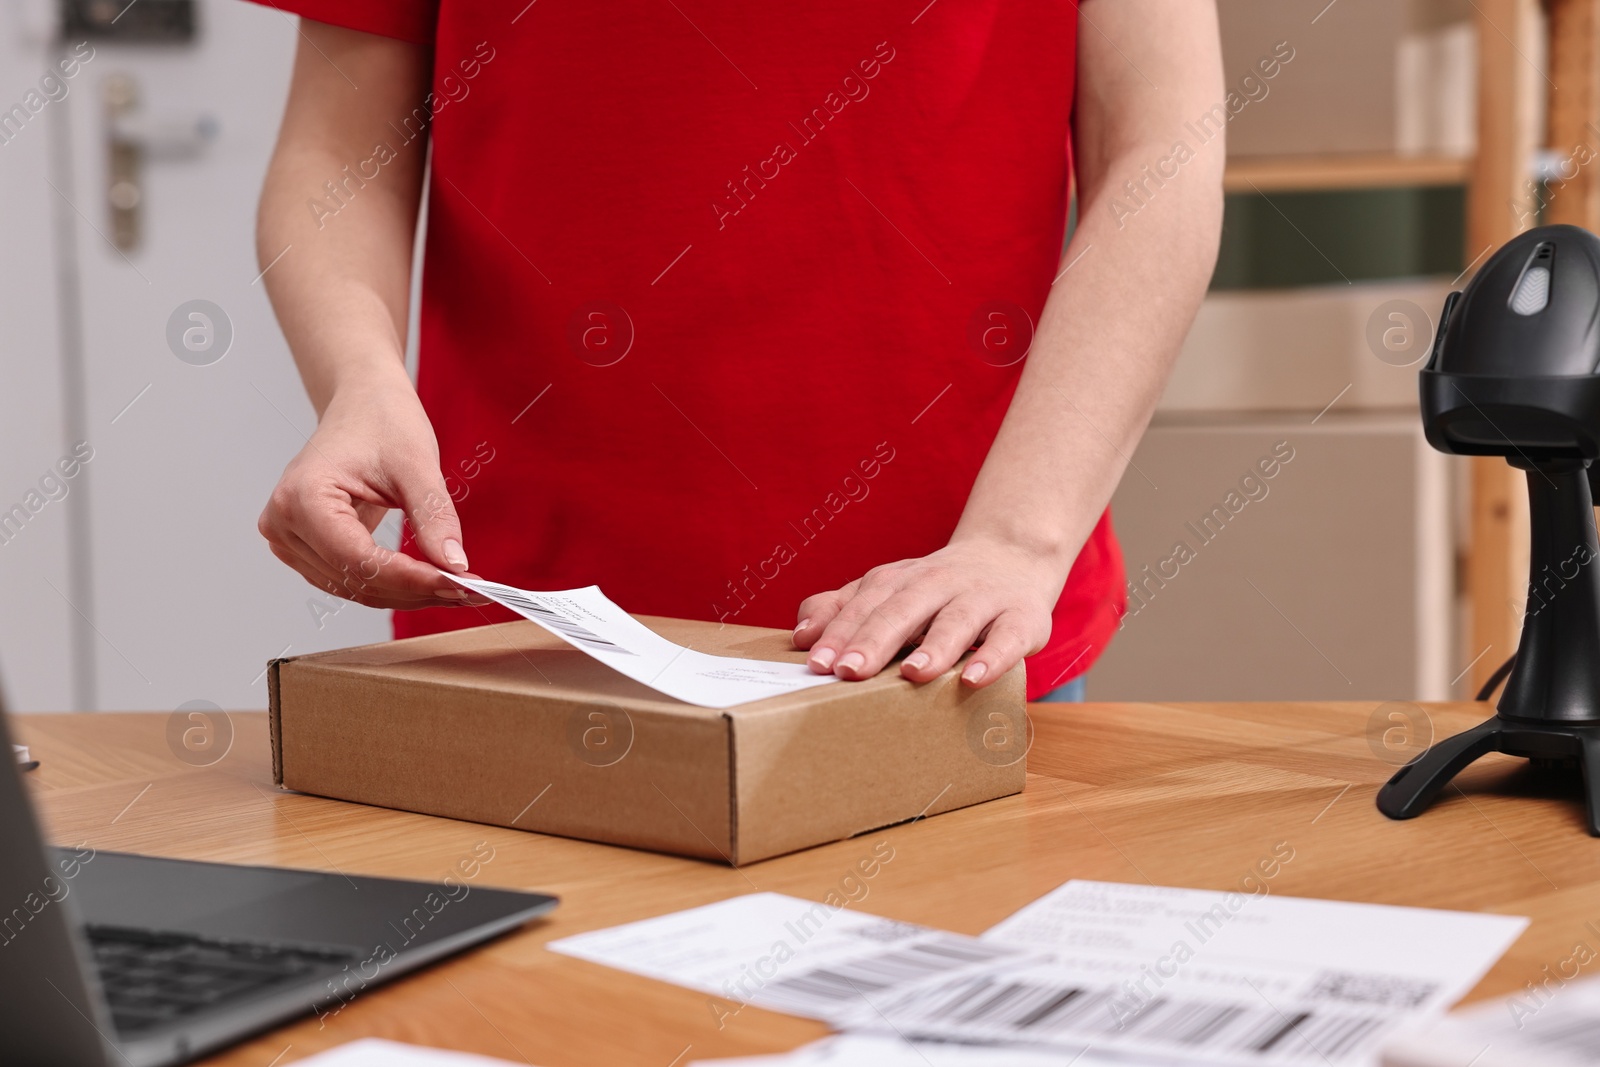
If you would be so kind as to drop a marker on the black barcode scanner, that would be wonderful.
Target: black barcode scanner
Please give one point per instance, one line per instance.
(1515, 372)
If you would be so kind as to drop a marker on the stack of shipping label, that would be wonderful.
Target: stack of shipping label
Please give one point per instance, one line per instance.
(1092, 973)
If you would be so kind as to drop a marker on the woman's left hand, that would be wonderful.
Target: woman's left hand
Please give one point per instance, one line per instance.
(973, 591)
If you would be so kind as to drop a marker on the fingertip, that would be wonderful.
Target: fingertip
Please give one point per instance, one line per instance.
(455, 557)
(805, 635)
(851, 666)
(975, 672)
(917, 667)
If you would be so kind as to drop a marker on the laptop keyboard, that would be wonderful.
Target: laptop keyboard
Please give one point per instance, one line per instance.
(151, 978)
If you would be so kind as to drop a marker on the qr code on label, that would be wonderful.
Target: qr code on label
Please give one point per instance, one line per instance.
(1384, 990)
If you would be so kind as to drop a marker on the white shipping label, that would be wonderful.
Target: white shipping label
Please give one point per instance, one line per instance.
(1092, 969)
(587, 620)
(787, 954)
(1212, 977)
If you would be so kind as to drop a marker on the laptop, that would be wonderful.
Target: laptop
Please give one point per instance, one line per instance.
(115, 960)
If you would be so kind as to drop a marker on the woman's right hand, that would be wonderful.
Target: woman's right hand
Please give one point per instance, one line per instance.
(340, 284)
(373, 450)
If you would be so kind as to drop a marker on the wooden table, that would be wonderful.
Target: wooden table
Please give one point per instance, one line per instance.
(1172, 794)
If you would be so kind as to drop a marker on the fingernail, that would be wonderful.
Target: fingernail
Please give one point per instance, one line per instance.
(453, 554)
(801, 625)
(852, 662)
(822, 658)
(451, 594)
(974, 673)
(917, 660)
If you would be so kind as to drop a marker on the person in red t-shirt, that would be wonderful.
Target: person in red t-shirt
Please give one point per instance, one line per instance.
(729, 309)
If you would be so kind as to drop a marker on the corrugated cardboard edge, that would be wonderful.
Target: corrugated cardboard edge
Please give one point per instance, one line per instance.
(733, 790)
(274, 709)
(274, 719)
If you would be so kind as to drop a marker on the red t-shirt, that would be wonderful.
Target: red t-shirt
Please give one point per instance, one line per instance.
(723, 305)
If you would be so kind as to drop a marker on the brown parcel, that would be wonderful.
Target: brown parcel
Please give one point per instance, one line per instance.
(508, 725)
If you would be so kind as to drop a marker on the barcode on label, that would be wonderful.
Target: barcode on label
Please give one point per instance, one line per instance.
(847, 982)
(1036, 1010)
(557, 622)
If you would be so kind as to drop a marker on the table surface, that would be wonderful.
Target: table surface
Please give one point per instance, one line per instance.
(1169, 794)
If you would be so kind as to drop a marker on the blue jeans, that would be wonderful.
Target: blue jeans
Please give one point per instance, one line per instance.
(1071, 693)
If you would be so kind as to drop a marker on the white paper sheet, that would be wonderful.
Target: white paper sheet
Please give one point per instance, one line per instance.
(1145, 973)
(1553, 1023)
(375, 1052)
(784, 953)
(588, 621)
(1213, 977)
(877, 1050)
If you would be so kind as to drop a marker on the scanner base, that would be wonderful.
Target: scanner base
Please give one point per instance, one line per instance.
(1414, 786)
(1550, 710)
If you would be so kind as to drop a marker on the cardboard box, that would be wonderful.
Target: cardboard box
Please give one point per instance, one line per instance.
(507, 725)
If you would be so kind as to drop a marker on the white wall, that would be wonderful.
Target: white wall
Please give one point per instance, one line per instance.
(36, 656)
(175, 597)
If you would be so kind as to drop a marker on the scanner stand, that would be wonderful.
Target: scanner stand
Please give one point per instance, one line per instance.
(1550, 711)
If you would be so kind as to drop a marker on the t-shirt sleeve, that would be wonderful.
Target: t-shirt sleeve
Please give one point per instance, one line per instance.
(406, 20)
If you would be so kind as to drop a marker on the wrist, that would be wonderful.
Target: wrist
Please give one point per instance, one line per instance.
(368, 383)
(1043, 548)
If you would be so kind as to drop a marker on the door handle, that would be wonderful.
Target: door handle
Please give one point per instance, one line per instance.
(133, 138)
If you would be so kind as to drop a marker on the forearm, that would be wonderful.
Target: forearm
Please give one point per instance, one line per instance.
(1100, 357)
(337, 260)
(1116, 317)
(341, 293)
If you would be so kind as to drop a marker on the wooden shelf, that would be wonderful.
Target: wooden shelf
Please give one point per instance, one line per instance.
(1303, 173)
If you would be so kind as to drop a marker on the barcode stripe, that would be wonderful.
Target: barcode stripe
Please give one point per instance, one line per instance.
(1216, 1023)
(1285, 1028)
(961, 1003)
(1355, 1031)
(557, 621)
(847, 980)
(1005, 996)
(1038, 1009)
(938, 986)
(1050, 1007)
(1151, 1010)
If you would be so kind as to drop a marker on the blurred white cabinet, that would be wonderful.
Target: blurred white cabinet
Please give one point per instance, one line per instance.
(36, 585)
(1301, 349)
(1360, 77)
(1330, 580)
(174, 596)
